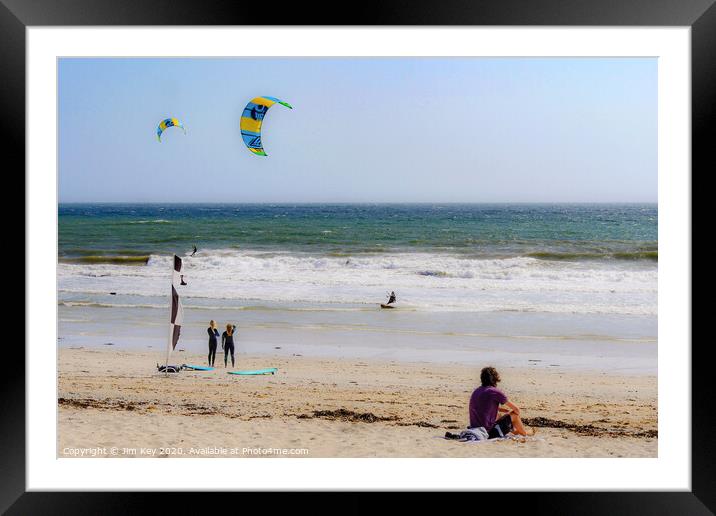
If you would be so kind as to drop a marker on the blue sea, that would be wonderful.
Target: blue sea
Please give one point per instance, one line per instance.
(550, 232)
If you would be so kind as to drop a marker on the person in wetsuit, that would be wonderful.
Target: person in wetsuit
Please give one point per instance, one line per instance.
(227, 343)
(213, 341)
(194, 251)
(391, 298)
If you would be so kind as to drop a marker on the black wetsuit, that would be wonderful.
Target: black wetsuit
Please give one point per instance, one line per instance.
(213, 341)
(227, 342)
(392, 299)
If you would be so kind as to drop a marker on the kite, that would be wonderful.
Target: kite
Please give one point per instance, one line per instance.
(168, 122)
(251, 120)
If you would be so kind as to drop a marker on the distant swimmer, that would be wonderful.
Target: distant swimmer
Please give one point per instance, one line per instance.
(194, 251)
(182, 282)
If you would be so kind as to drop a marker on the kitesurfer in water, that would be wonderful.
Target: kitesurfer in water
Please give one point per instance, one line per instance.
(227, 343)
(194, 251)
(391, 298)
(213, 341)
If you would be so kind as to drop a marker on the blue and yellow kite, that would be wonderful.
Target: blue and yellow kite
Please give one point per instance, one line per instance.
(251, 120)
(168, 122)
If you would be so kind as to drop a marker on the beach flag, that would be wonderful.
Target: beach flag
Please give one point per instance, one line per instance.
(177, 317)
(177, 312)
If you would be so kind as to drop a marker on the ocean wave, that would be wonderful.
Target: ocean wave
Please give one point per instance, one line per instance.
(97, 304)
(368, 307)
(435, 274)
(630, 255)
(133, 257)
(423, 281)
(117, 260)
(81, 251)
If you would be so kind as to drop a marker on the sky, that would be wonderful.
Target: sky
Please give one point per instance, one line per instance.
(361, 130)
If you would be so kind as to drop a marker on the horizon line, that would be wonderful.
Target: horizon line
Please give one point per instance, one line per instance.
(355, 202)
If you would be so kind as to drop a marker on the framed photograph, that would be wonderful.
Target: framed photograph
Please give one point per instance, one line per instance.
(431, 251)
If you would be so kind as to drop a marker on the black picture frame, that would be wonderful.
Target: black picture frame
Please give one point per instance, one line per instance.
(700, 15)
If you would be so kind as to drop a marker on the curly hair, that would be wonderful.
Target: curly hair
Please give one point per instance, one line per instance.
(489, 377)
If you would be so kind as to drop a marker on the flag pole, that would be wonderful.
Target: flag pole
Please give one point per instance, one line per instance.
(169, 347)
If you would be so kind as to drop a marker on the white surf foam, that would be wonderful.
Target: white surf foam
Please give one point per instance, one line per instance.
(423, 281)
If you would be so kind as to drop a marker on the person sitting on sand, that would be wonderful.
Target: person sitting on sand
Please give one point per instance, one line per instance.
(391, 298)
(213, 341)
(227, 343)
(485, 406)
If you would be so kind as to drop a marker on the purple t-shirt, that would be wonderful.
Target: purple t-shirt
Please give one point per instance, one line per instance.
(483, 406)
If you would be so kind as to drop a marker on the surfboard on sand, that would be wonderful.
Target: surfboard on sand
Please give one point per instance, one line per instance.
(197, 367)
(269, 370)
(386, 306)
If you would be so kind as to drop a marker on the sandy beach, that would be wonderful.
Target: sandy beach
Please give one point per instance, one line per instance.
(332, 407)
